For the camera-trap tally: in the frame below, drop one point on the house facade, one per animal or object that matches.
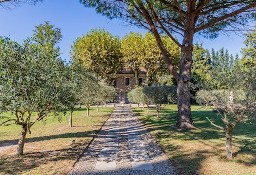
(125, 82)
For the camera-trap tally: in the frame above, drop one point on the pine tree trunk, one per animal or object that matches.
(70, 121)
(22, 138)
(184, 119)
(228, 131)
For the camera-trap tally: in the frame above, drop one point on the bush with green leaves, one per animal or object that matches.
(153, 95)
(137, 96)
(105, 94)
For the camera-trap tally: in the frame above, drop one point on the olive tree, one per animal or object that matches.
(76, 77)
(106, 94)
(30, 86)
(156, 95)
(179, 20)
(233, 106)
(159, 95)
(237, 103)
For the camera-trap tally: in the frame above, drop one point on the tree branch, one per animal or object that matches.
(213, 124)
(200, 6)
(216, 20)
(162, 26)
(3, 123)
(175, 7)
(160, 44)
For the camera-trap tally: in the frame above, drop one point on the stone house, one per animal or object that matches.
(125, 81)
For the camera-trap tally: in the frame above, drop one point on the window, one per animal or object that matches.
(127, 81)
(140, 81)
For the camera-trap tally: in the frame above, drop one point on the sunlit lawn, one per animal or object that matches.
(202, 151)
(49, 148)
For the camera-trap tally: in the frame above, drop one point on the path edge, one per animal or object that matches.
(88, 145)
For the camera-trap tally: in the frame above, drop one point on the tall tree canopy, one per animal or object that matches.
(133, 52)
(185, 18)
(100, 53)
(142, 51)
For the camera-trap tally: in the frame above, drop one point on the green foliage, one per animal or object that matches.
(32, 77)
(31, 80)
(106, 93)
(142, 51)
(77, 79)
(85, 89)
(219, 96)
(137, 96)
(132, 50)
(153, 60)
(160, 94)
(100, 52)
(156, 95)
(233, 106)
(201, 66)
(250, 42)
(171, 14)
(213, 70)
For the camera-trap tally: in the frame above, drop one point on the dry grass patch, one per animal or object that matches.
(50, 148)
(202, 151)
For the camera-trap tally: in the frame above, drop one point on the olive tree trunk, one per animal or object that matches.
(98, 107)
(22, 138)
(88, 111)
(228, 132)
(70, 120)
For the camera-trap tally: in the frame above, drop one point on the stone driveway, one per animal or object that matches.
(123, 147)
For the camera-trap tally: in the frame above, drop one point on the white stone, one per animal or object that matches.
(105, 166)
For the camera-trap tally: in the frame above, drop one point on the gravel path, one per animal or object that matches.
(123, 147)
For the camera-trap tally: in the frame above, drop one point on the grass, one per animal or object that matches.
(49, 149)
(202, 151)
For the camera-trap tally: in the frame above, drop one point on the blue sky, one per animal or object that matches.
(75, 20)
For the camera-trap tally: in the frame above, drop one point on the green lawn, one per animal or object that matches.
(202, 150)
(48, 148)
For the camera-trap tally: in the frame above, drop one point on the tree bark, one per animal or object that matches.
(22, 138)
(183, 91)
(136, 76)
(228, 131)
(88, 111)
(158, 107)
(98, 107)
(70, 121)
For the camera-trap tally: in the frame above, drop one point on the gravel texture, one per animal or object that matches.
(123, 147)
